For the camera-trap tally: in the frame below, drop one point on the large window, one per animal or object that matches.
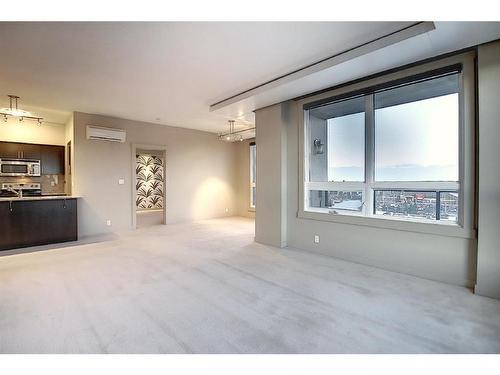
(253, 174)
(416, 132)
(391, 151)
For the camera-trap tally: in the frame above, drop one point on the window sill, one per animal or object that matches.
(407, 225)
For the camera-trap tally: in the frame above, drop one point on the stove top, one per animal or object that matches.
(9, 194)
(31, 189)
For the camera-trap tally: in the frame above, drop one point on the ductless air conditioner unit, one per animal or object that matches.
(106, 134)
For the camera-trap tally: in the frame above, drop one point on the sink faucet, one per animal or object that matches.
(18, 193)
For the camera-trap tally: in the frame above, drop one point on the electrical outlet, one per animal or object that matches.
(227, 209)
(316, 239)
(121, 181)
(108, 223)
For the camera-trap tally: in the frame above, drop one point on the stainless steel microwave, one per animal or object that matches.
(19, 168)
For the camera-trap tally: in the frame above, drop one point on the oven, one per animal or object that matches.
(19, 168)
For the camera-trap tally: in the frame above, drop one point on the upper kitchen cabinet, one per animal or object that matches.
(52, 159)
(30, 151)
(12, 150)
(9, 150)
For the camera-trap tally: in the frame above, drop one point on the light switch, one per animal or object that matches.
(121, 181)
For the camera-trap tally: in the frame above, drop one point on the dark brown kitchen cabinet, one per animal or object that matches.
(13, 150)
(9, 150)
(52, 159)
(37, 222)
(30, 151)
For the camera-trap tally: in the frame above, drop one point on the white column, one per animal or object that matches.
(270, 216)
(488, 261)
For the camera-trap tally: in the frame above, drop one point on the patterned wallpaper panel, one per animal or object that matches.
(149, 186)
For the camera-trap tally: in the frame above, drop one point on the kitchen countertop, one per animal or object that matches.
(38, 198)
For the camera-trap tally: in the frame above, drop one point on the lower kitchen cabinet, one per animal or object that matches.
(37, 222)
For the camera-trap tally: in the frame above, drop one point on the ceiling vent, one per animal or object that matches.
(106, 134)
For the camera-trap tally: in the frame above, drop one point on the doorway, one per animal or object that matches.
(149, 198)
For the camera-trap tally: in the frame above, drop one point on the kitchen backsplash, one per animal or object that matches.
(50, 183)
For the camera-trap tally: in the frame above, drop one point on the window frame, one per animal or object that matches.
(253, 178)
(465, 227)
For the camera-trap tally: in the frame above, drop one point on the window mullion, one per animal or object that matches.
(369, 153)
(438, 205)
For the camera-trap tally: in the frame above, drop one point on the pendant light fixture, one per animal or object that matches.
(236, 136)
(14, 111)
(232, 136)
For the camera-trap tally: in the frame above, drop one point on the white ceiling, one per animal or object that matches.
(372, 58)
(171, 71)
(55, 117)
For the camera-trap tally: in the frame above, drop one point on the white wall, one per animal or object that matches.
(29, 132)
(200, 174)
(488, 268)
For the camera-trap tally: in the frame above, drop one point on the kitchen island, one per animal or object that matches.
(37, 220)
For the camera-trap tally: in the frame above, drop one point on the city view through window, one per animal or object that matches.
(416, 146)
(428, 205)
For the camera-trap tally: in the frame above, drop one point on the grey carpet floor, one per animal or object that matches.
(206, 287)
